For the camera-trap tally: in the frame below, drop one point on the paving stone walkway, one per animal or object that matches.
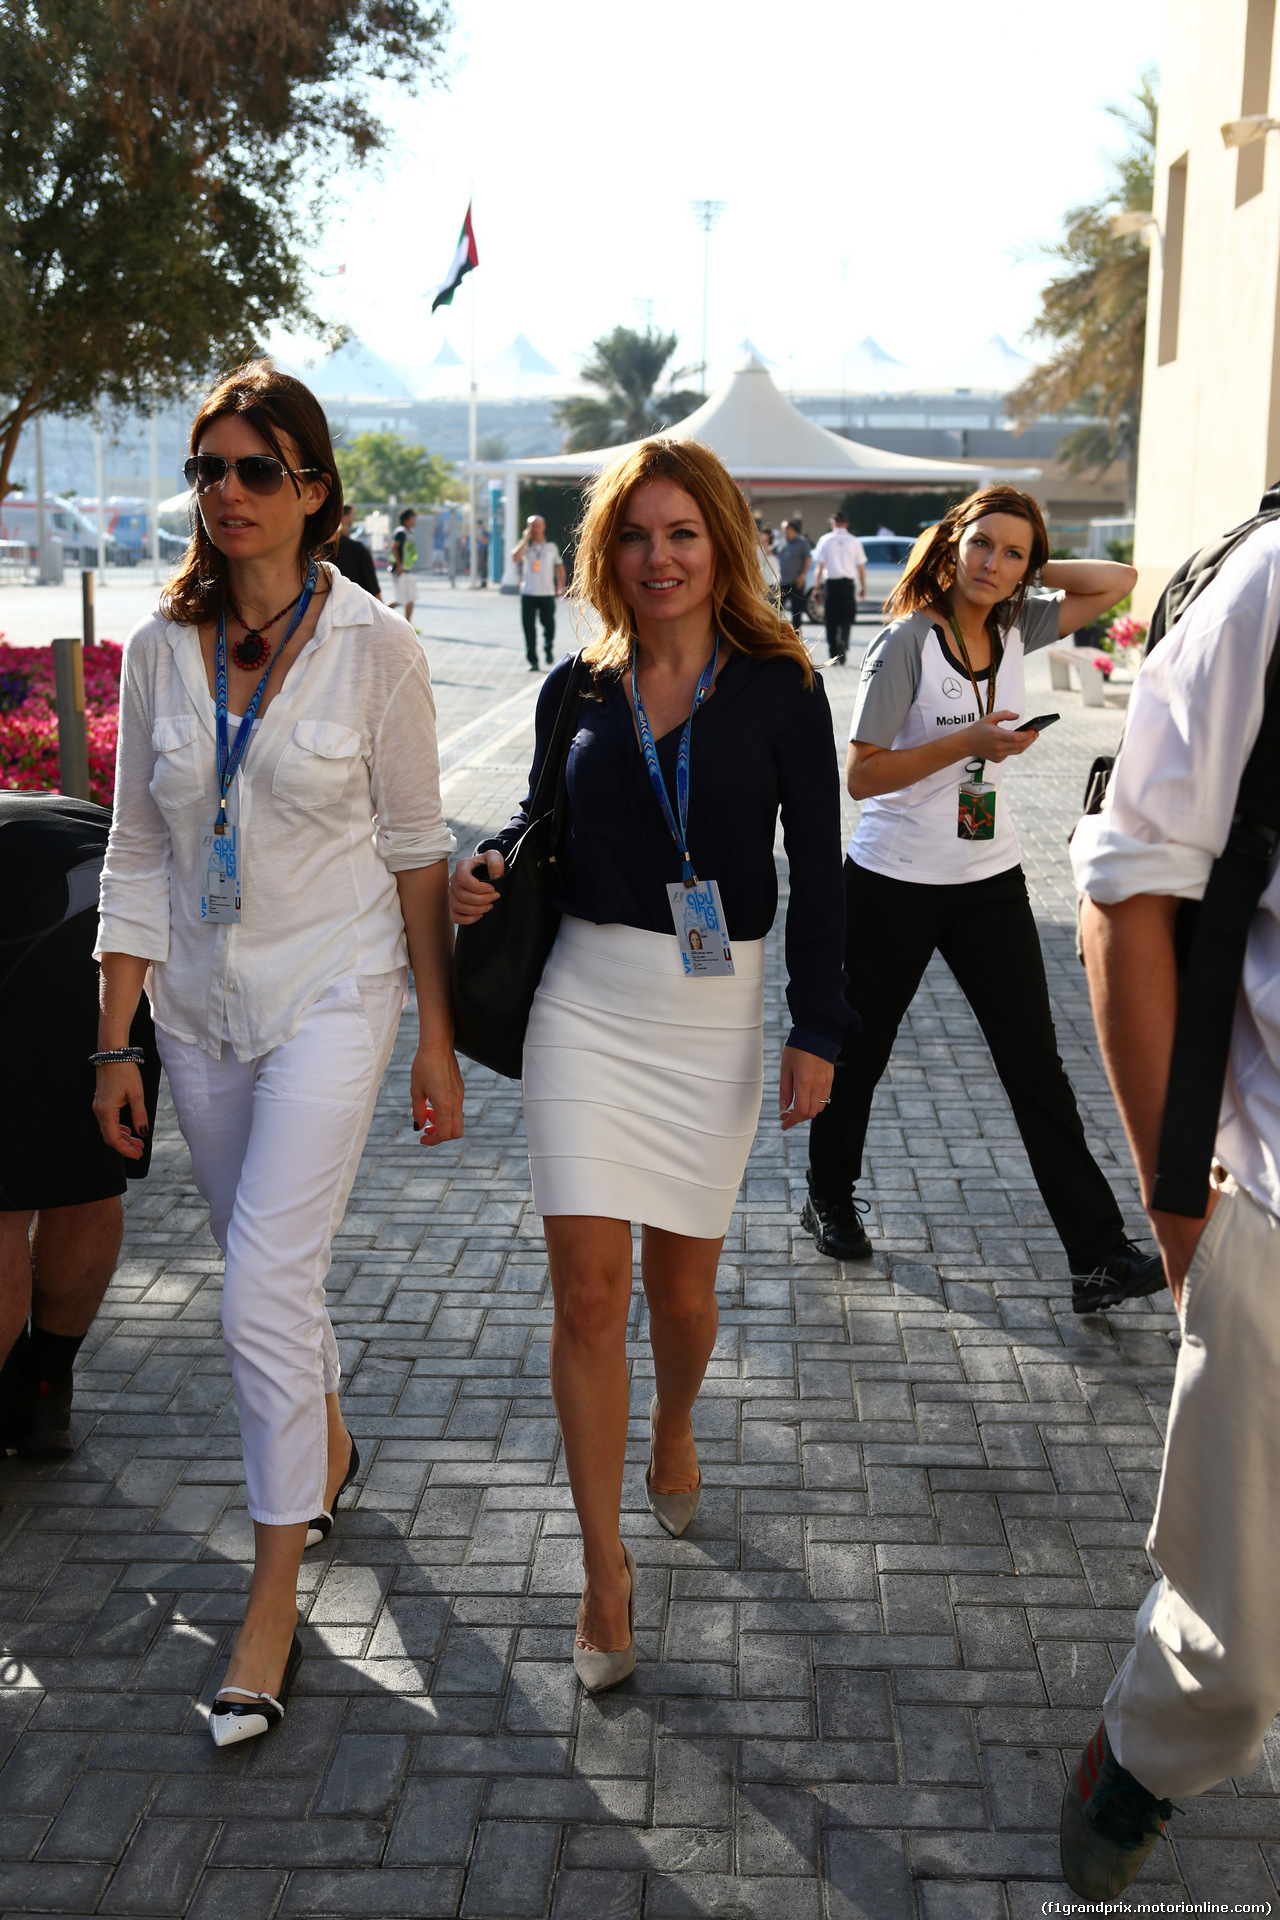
(862, 1672)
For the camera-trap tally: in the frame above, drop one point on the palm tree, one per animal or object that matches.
(626, 366)
(1095, 310)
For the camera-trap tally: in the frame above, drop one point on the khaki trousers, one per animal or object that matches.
(1196, 1694)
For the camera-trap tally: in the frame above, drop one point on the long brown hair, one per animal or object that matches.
(744, 614)
(278, 407)
(931, 566)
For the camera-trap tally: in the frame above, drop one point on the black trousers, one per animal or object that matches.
(531, 605)
(794, 600)
(986, 933)
(840, 607)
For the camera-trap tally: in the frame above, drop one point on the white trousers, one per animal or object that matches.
(275, 1143)
(1196, 1694)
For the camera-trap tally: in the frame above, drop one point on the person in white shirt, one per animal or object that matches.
(277, 852)
(403, 555)
(840, 558)
(933, 866)
(542, 579)
(769, 566)
(1199, 1688)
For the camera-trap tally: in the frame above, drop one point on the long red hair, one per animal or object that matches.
(745, 616)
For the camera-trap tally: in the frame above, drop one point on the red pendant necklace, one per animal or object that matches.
(250, 651)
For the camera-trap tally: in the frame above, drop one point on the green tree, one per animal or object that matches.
(1094, 310)
(379, 466)
(151, 228)
(626, 366)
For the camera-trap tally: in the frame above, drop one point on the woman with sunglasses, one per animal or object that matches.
(277, 853)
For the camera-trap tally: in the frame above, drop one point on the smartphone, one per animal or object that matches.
(1038, 725)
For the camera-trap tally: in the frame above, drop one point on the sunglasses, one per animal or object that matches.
(257, 472)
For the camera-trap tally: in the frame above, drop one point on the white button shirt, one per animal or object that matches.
(338, 791)
(1194, 716)
(841, 553)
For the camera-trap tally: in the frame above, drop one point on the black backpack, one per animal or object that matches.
(1211, 934)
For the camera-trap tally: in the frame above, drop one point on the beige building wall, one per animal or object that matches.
(1210, 437)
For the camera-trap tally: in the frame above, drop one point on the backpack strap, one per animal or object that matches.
(1209, 984)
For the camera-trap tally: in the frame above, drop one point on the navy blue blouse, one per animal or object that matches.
(761, 741)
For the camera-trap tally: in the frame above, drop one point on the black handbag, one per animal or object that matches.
(498, 960)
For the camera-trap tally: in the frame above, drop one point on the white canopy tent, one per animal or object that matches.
(766, 443)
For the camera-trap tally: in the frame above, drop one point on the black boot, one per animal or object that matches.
(35, 1397)
(836, 1228)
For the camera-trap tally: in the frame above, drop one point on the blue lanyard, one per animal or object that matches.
(679, 833)
(229, 760)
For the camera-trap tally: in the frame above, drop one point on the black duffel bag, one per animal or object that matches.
(498, 961)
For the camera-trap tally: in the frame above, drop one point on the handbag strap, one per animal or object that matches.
(553, 774)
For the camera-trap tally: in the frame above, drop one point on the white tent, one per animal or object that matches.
(864, 368)
(766, 443)
(354, 372)
(764, 440)
(993, 367)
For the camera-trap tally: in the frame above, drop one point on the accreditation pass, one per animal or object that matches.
(220, 900)
(700, 928)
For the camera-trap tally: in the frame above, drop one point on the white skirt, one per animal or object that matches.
(642, 1087)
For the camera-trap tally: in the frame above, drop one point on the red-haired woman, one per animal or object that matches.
(278, 851)
(933, 865)
(643, 1059)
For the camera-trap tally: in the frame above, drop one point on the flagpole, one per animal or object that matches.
(471, 488)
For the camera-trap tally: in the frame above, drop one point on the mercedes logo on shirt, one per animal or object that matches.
(952, 687)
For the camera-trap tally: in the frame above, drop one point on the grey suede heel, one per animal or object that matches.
(597, 1670)
(673, 1511)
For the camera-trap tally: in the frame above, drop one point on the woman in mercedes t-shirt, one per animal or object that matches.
(934, 866)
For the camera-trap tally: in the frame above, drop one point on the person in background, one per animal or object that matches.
(768, 565)
(793, 570)
(933, 866)
(352, 558)
(1197, 1691)
(403, 555)
(643, 1060)
(543, 578)
(278, 852)
(839, 558)
(482, 544)
(61, 1220)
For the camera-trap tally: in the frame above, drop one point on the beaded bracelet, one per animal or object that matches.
(134, 1056)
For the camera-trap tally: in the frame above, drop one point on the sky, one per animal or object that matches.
(885, 170)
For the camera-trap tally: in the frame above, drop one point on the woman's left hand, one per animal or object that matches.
(804, 1087)
(435, 1091)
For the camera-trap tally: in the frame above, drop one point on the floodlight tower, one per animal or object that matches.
(707, 214)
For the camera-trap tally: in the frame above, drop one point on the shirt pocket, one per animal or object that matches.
(178, 779)
(316, 765)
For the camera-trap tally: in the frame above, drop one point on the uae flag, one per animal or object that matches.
(464, 259)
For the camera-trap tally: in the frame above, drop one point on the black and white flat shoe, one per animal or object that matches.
(322, 1526)
(251, 1714)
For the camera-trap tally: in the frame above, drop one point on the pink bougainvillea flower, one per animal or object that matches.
(29, 718)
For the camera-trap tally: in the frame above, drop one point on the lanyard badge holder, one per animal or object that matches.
(696, 908)
(976, 819)
(222, 896)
